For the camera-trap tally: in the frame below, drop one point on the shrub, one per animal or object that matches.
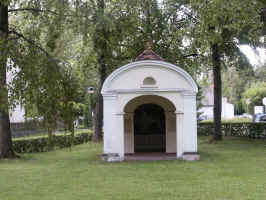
(234, 120)
(246, 129)
(41, 144)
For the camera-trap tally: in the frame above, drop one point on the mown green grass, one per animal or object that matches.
(234, 169)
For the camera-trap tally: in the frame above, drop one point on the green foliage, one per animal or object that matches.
(48, 61)
(243, 129)
(41, 144)
(222, 23)
(234, 120)
(55, 47)
(260, 73)
(87, 110)
(255, 93)
(216, 33)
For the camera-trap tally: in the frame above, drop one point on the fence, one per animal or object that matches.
(244, 129)
(241, 129)
(31, 128)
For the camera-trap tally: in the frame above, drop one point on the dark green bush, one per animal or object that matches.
(41, 144)
(245, 129)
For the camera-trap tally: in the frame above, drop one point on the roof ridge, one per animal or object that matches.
(148, 54)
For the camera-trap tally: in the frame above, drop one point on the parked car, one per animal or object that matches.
(246, 115)
(260, 118)
(202, 117)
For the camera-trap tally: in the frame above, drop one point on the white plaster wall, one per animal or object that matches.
(207, 110)
(190, 123)
(172, 83)
(114, 107)
(170, 132)
(229, 111)
(258, 109)
(113, 135)
(17, 115)
(110, 128)
(175, 98)
(120, 135)
(165, 78)
(129, 133)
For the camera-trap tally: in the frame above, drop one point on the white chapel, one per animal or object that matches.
(150, 107)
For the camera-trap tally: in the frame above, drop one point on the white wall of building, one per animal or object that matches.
(227, 110)
(17, 114)
(126, 85)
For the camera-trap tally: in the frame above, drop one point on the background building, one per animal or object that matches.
(208, 103)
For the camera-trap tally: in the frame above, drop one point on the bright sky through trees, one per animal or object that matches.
(255, 56)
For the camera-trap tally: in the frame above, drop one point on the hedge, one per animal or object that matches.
(41, 144)
(244, 129)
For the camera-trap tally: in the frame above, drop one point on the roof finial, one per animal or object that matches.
(148, 45)
(148, 54)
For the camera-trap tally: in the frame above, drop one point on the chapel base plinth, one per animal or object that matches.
(191, 156)
(112, 157)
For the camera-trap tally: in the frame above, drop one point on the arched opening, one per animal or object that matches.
(149, 128)
(149, 81)
(149, 125)
(163, 102)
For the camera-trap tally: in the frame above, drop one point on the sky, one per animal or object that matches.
(257, 57)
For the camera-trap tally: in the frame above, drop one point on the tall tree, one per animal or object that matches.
(122, 29)
(100, 43)
(218, 28)
(6, 150)
(34, 44)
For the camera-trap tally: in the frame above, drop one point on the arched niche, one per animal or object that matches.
(164, 140)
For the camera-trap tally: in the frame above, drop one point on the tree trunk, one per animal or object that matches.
(102, 45)
(216, 61)
(263, 19)
(6, 150)
(71, 127)
(98, 133)
(50, 143)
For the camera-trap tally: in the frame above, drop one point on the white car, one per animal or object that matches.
(260, 118)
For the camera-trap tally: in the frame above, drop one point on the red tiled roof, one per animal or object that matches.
(148, 54)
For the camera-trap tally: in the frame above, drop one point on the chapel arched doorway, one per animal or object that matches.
(149, 125)
(149, 128)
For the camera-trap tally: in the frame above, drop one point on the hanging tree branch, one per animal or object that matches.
(32, 42)
(193, 55)
(33, 10)
(43, 10)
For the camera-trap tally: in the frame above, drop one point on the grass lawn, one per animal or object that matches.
(234, 169)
